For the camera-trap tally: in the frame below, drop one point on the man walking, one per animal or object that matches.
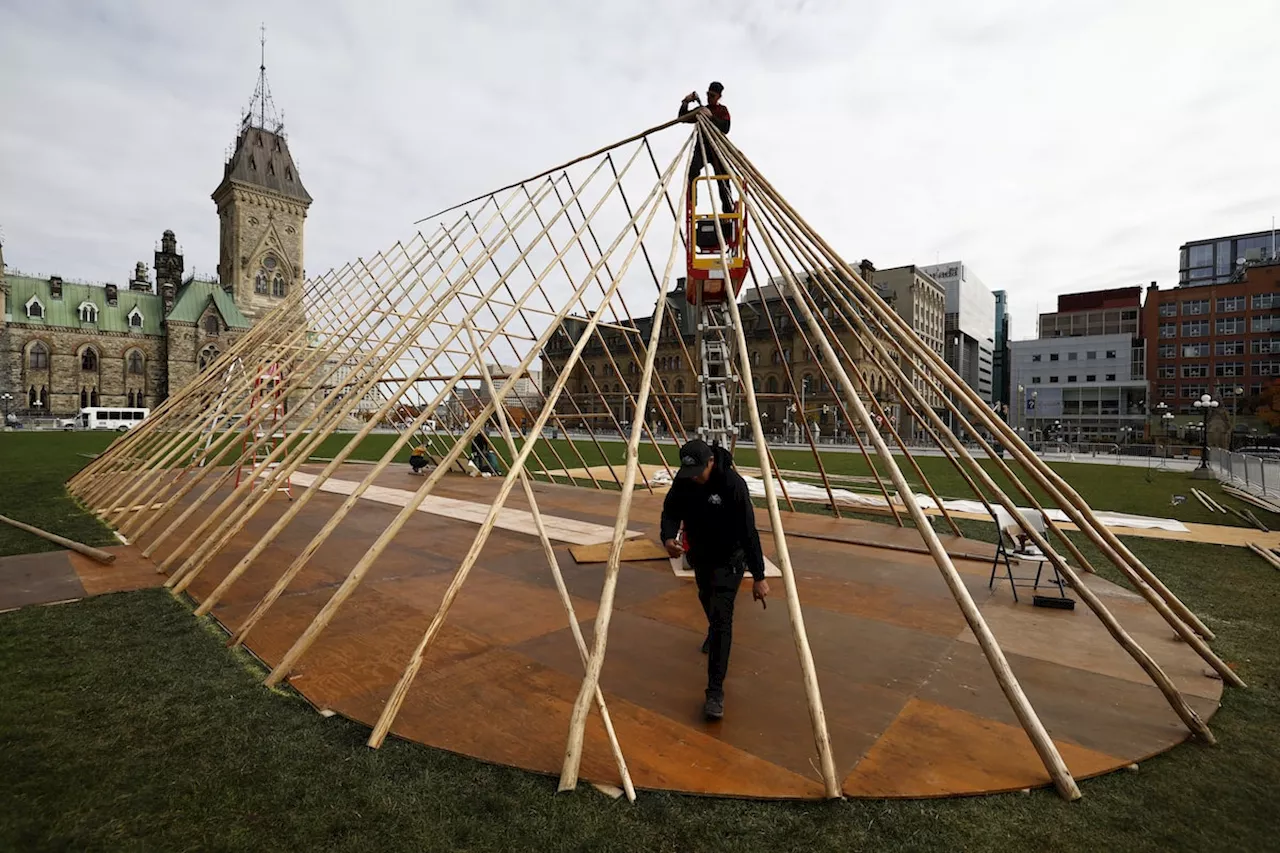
(720, 118)
(712, 501)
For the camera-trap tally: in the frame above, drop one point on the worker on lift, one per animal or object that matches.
(719, 114)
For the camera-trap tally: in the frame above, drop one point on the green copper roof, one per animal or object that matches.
(194, 296)
(65, 312)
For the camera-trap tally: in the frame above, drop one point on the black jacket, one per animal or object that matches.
(718, 518)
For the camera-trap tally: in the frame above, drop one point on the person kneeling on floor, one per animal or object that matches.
(418, 459)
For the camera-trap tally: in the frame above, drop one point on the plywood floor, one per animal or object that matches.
(912, 707)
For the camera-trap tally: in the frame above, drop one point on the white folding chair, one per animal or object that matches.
(1007, 549)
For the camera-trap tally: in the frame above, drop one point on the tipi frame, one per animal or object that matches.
(541, 268)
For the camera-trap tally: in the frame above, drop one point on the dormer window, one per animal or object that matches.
(211, 325)
(88, 312)
(35, 309)
(135, 318)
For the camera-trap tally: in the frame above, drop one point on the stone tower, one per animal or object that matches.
(261, 208)
(168, 263)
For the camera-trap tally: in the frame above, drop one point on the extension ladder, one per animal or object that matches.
(717, 378)
(267, 399)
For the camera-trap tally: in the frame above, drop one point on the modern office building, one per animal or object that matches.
(1079, 388)
(1218, 339)
(969, 325)
(1220, 260)
(1000, 365)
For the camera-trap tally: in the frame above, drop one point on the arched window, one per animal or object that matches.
(135, 363)
(93, 397)
(260, 282)
(35, 309)
(38, 356)
(89, 359)
(135, 318)
(139, 399)
(277, 286)
(679, 386)
(130, 395)
(771, 385)
(755, 358)
(32, 399)
(84, 398)
(211, 325)
(208, 356)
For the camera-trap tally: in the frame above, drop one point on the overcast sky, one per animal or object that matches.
(1052, 146)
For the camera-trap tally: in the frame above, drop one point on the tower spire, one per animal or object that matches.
(262, 111)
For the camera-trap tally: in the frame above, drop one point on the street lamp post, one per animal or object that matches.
(1205, 404)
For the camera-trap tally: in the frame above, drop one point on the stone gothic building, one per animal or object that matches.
(66, 345)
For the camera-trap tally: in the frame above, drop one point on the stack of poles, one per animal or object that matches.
(376, 336)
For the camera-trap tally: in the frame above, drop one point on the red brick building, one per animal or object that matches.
(1218, 339)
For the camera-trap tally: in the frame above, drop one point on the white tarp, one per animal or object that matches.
(852, 500)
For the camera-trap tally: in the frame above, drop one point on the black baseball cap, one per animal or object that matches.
(716, 86)
(693, 459)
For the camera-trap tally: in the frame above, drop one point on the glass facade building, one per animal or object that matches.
(1218, 261)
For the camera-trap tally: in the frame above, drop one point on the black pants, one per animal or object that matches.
(717, 590)
(695, 169)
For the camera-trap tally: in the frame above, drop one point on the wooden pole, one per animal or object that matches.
(104, 557)
(604, 612)
(1027, 716)
(549, 552)
(1068, 499)
(401, 690)
(1179, 625)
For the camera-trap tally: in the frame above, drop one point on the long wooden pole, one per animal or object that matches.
(1139, 655)
(1068, 499)
(229, 526)
(604, 611)
(282, 583)
(401, 689)
(1022, 708)
(549, 552)
(105, 557)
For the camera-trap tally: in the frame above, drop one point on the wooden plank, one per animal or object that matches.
(520, 521)
(632, 550)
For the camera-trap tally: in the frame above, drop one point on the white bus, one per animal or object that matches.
(116, 419)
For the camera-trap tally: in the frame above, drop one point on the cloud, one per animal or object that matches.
(1051, 146)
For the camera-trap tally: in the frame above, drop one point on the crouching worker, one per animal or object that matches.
(418, 459)
(711, 500)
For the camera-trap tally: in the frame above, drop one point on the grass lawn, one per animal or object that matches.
(126, 724)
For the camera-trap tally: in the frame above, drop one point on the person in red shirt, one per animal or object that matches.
(720, 118)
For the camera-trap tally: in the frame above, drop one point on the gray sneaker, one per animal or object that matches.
(713, 709)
